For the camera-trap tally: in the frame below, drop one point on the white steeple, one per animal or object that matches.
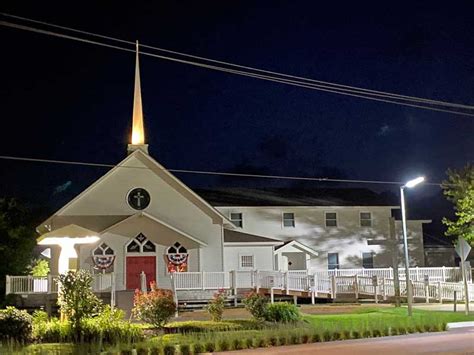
(138, 131)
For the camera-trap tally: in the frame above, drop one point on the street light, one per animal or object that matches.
(409, 184)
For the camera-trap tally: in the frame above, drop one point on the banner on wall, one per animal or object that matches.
(177, 262)
(103, 262)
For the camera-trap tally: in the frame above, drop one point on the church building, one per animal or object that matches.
(139, 217)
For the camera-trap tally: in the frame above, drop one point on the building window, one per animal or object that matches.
(141, 245)
(237, 219)
(368, 260)
(331, 219)
(246, 261)
(288, 219)
(333, 261)
(366, 219)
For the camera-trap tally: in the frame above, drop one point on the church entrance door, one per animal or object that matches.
(137, 264)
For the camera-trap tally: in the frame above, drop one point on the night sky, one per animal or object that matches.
(67, 100)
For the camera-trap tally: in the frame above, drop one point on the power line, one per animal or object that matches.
(219, 173)
(325, 88)
(335, 85)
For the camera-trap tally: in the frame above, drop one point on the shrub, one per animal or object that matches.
(315, 338)
(76, 299)
(327, 335)
(210, 346)
(222, 345)
(155, 307)
(185, 349)
(273, 340)
(198, 348)
(203, 326)
(15, 324)
(282, 340)
(282, 313)
(52, 331)
(249, 343)
(169, 349)
(216, 306)
(256, 304)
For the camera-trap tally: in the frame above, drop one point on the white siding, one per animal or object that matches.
(348, 239)
(263, 257)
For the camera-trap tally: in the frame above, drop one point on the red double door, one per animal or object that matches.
(137, 264)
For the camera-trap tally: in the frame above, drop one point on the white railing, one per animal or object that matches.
(49, 284)
(445, 274)
(201, 280)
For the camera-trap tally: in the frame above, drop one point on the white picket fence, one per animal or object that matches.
(37, 285)
(428, 283)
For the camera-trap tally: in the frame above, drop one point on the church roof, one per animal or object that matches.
(232, 236)
(296, 197)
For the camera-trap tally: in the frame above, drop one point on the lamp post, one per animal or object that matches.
(409, 184)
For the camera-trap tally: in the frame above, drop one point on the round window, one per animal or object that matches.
(138, 198)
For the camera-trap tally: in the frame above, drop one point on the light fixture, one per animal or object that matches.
(409, 184)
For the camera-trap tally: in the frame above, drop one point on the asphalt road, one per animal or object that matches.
(459, 341)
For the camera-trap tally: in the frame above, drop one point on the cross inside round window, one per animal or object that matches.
(177, 258)
(138, 198)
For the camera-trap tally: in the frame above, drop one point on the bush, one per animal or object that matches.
(256, 305)
(204, 326)
(216, 306)
(108, 327)
(198, 348)
(282, 313)
(222, 345)
(15, 324)
(155, 307)
(169, 349)
(52, 331)
(185, 349)
(76, 299)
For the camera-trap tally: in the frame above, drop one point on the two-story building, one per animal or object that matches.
(139, 217)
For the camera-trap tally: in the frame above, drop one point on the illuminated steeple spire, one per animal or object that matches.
(138, 131)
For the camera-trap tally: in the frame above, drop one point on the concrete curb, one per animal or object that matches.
(457, 325)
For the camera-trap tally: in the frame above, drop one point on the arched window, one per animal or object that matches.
(177, 258)
(141, 244)
(103, 257)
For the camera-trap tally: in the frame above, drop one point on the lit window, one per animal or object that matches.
(331, 219)
(288, 219)
(237, 219)
(333, 261)
(368, 260)
(366, 219)
(246, 261)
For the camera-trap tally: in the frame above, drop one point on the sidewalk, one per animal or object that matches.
(448, 307)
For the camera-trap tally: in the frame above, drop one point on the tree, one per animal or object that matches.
(17, 240)
(459, 189)
(76, 299)
(39, 268)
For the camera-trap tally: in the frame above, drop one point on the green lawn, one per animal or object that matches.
(241, 334)
(380, 318)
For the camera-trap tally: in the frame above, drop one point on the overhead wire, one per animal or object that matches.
(219, 173)
(325, 88)
(310, 80)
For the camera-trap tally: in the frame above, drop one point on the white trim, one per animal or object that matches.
(371, 219)
(139, 155)
(134, 254)
(241, 218)
(283, 219)
(252, 243)
(297, 245)
(325, 219)
(246, 267)
(153, 218)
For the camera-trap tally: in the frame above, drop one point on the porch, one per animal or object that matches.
(429, 284)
